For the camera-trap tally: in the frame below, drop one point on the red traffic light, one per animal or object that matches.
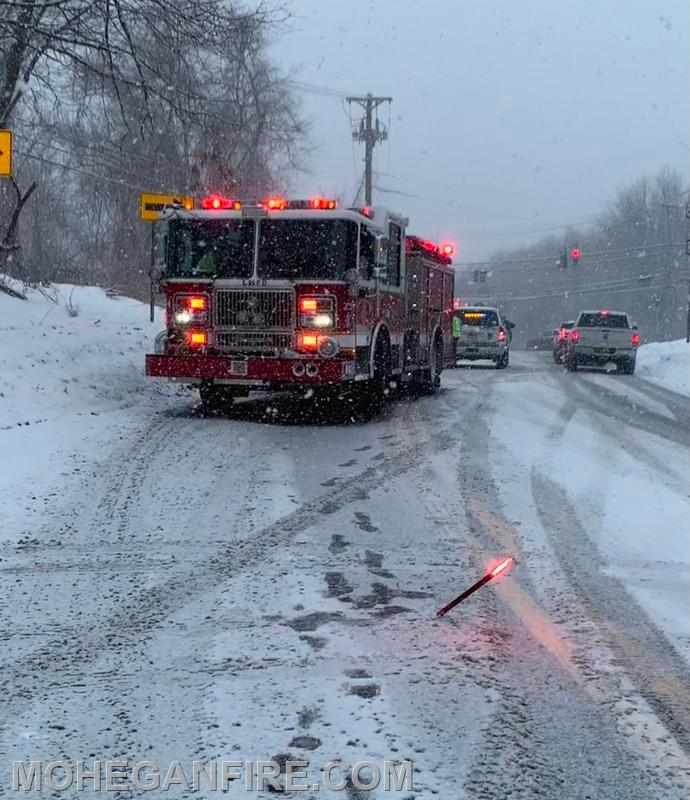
(576, 255)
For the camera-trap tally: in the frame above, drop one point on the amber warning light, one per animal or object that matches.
(490, 575)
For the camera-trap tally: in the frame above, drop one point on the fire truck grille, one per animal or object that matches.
(253, 341)
(258, 309)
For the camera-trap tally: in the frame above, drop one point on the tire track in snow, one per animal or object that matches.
(36, 674)
(659, 673)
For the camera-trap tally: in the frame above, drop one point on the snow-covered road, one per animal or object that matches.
(264, 583)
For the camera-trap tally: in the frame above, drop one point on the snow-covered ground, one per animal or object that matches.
(264, 582)
(666, 364)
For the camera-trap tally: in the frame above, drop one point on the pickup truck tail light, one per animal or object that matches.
(501, 335)
(575, 336)
(635, 339)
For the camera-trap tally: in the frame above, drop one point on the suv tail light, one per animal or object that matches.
(635, 339)
(575, 336)
(501, 335)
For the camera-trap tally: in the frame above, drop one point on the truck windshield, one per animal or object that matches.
(210, 248)
(599, 320)
(299, 248)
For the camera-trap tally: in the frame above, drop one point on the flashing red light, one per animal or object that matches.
(500, 567)
(448, 249)
(576, 253)
(635, 339)
(310, 341)
(430, 246)
(323, 203)
(276, 203)
(501, 335)
(308, 304)
(604, 313)
(197, 338)
(575, 336)
(216, 202)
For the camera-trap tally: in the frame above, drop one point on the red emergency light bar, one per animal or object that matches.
(448, 249)
(323, 203)
(415, 244)
(216, 202)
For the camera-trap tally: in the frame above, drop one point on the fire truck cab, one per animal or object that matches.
(298, 295)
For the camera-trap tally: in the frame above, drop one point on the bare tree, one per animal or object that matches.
(128, 94)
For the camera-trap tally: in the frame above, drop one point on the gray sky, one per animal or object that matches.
(510, 118)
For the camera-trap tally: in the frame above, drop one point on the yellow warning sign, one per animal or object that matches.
(150, 205)
(5, 154)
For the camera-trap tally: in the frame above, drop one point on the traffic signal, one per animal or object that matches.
(576, 255)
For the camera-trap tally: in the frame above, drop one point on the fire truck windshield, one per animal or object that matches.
(210, 248)
(307, 248)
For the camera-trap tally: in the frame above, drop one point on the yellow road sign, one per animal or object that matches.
(150, 205)
(5, 154)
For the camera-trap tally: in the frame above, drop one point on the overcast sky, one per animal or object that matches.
(510, 118)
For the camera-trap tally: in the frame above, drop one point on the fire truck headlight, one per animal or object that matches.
(328, 347)
(182, 317)
(322, 321)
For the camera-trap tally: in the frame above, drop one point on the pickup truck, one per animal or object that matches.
(599, 337)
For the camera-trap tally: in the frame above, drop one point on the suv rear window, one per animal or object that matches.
(599, 320)
(481, 318)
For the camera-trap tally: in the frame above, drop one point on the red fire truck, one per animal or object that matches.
(299, 295)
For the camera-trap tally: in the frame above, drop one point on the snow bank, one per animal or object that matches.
(666, 364)
(70, 349)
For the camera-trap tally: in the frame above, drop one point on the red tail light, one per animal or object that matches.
(501, 335)
(635, 339)
(563, 333)
(575, 336)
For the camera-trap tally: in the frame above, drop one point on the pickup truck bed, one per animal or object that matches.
(599, 337)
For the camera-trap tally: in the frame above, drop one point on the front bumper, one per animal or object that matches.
(251, 371)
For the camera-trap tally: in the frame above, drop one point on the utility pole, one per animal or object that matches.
(371, 134)
(687, 253)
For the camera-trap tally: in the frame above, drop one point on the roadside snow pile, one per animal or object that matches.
(666, 364)
(70, 349)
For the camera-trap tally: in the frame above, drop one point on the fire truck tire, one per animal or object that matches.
(374, 393)
(216, 398)
(431, 378)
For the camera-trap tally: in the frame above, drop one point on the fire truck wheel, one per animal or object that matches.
(375, 392)
(216, 398)
(431, 378)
